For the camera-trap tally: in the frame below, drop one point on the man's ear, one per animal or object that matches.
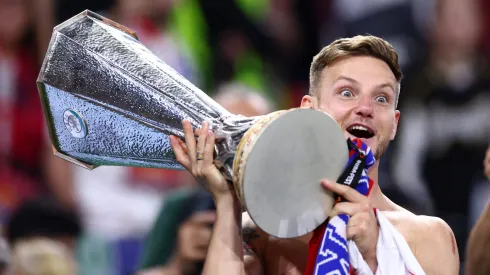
(309, 101)
(395, 126)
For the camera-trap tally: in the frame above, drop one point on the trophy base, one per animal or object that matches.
(278, 168)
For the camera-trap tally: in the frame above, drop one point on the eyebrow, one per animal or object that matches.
(346, 78)
(380, 86)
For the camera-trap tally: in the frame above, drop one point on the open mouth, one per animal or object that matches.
(360, 131)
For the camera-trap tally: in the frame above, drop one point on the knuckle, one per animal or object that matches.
(207, 170)
(342, 191)
(363, 226)
(362, 217)
(195, 172)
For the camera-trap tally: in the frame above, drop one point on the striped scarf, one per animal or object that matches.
(327, 251)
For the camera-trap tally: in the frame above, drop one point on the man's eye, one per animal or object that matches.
(346, 93)
(381, 99)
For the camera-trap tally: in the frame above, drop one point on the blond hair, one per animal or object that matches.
(361, 45)
(40, 256)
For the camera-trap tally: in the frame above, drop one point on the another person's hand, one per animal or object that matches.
(362, 227)
(198, 158)
(486, 164)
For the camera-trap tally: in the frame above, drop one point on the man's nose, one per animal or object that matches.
(365, 107)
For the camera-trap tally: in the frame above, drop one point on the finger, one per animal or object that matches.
(361, 219)
(203, 133)
(345, 191)
(183, 145)
(180, 154)
(348, 208)
(204, 218)
(209, 150)
(201, 142)
(353, 231)
(190, 141)
(360, 223)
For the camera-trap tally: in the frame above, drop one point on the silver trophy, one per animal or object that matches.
(108, 100)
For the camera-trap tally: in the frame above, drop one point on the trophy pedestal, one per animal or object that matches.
(278, 168)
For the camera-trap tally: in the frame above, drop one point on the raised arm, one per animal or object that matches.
(226, 249)
(234, 249)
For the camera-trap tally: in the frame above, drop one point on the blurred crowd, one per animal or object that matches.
(253, 57)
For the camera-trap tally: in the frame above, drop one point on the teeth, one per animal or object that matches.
(359, 128)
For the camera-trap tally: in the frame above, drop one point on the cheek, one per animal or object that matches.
(339, 112)
(386, 127)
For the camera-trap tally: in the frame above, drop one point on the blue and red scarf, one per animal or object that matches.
(327, 251)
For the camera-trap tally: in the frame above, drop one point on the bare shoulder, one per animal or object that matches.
(430, 239)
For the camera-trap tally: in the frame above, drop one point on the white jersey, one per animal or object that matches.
(393, 253)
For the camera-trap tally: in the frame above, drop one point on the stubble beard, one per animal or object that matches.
(381, 148)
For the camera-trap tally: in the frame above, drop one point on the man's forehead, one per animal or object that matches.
(359, 70)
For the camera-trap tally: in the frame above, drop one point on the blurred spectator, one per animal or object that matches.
(40, 256)
(445, 119)
(485, 45)
(237, 45)
(403, 23)
(180, 236)
(266, 45)
(43, 234)
(152, 21)
(27, 165)
(43, 218)
(64, 10)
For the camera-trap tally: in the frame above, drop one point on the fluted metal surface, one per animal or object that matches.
(109, 101)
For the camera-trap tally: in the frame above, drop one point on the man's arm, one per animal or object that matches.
(478, 258)
(225, 252)
(435, 246)
(231, 252)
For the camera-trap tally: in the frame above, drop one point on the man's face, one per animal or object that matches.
(360, 94)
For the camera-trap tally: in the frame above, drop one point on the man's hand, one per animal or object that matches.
(363, 225)
(197, 158)
(486, 164)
